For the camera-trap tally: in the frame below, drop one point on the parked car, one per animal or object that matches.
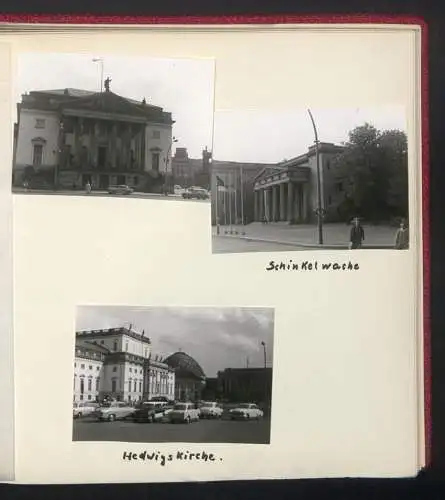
(196, 193)
(184, 412)
(178, 190)
(121, 189)
(84, 408)
(115, 410)
(210, 409)
(246, 411)
(151, 412)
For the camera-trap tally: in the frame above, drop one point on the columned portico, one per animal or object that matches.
(283, 194)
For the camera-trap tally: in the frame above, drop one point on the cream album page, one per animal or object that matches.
(217, 252)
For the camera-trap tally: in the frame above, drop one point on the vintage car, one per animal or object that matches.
(151, 411)
(116, 410)
(121, 189)
(246, 411)
(210, 409)
(84, 408)
(196, 193)
(184, 412)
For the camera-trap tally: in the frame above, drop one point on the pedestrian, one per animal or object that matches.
(88, 187)
(357, 235)
(402, 237)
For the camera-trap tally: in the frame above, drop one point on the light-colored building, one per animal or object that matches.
(65, 138)
(160, 380)
(117, 363)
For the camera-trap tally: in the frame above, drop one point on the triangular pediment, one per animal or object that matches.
(104, 102)
(268, 171)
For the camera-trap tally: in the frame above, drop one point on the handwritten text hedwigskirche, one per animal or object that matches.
(162, 459)
(311, 265)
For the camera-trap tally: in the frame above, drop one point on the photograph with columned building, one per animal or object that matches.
(350, 191)
(135, 356)
(109, 140)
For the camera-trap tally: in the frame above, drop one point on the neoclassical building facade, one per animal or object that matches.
(117, 363)
(65, 138)
(283, 192)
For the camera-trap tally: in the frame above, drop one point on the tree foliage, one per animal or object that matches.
(374, 170)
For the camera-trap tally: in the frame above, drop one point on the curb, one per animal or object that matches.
(304, 245)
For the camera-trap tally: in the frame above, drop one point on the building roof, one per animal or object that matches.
(185, 365)
(91, 345)
(111, 332)
(69, 98)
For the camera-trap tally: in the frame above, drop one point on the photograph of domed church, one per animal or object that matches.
(210, 367)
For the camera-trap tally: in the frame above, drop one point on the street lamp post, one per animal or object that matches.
(264, 351)
(101, 62)
(319, 204)
(167, 159)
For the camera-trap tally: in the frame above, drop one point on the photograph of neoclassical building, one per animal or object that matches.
(190, 377)
(108, 126)
(65, 138)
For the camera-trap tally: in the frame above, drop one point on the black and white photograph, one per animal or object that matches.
(310, 179)
(96, 125)
(173, 374)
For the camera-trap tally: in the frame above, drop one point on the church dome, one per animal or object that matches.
(185, 365)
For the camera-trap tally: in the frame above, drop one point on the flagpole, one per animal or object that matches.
(236, 204)
(216, 207)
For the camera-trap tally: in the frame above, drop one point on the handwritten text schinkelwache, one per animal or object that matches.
(311, 265)
(161, 459)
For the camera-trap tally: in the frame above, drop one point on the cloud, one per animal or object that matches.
(217, 338)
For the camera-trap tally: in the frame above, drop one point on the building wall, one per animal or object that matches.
(163, 142)
(87, 370)
(159, 381)
(123, 343)
(27, 131)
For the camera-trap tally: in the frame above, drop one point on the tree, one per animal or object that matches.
(374, 171)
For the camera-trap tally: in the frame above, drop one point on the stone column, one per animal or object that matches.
(275, 215)
(256, 199)
(290, 202)
(261, 204)
(282, 202)
(304, 193)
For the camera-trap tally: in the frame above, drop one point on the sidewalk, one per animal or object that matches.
(335, 236)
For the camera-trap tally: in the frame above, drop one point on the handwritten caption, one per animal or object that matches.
(311, 265)
(161, 459)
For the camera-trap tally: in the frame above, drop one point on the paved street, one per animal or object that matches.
(204, 431)
(151, 196)
(257, 237)
(223, 244)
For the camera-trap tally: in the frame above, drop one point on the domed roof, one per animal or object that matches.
(185, 365)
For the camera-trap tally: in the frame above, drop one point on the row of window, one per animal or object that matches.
(89, 384)
(82, 366)
(41, 123)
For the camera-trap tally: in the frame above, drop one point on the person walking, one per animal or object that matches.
(88, 187)
(357, 235)
(402, 237)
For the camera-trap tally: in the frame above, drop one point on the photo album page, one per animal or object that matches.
(217, 253)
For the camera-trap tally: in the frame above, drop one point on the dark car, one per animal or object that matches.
(151, 412)
(196, 193)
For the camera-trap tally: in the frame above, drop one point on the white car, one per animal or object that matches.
(84, 408)
(115, 410)
(246, 411)
(178, 190)
(210, 409)
(121, 189)
(184, 412)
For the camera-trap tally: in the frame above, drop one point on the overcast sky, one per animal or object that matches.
(270, 137)
(216, 338)
(184, 87)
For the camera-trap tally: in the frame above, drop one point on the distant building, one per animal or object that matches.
(187, 172)
(189, 376)
(117, 363)
(234, 199)
(68, 137)
(246, 385)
